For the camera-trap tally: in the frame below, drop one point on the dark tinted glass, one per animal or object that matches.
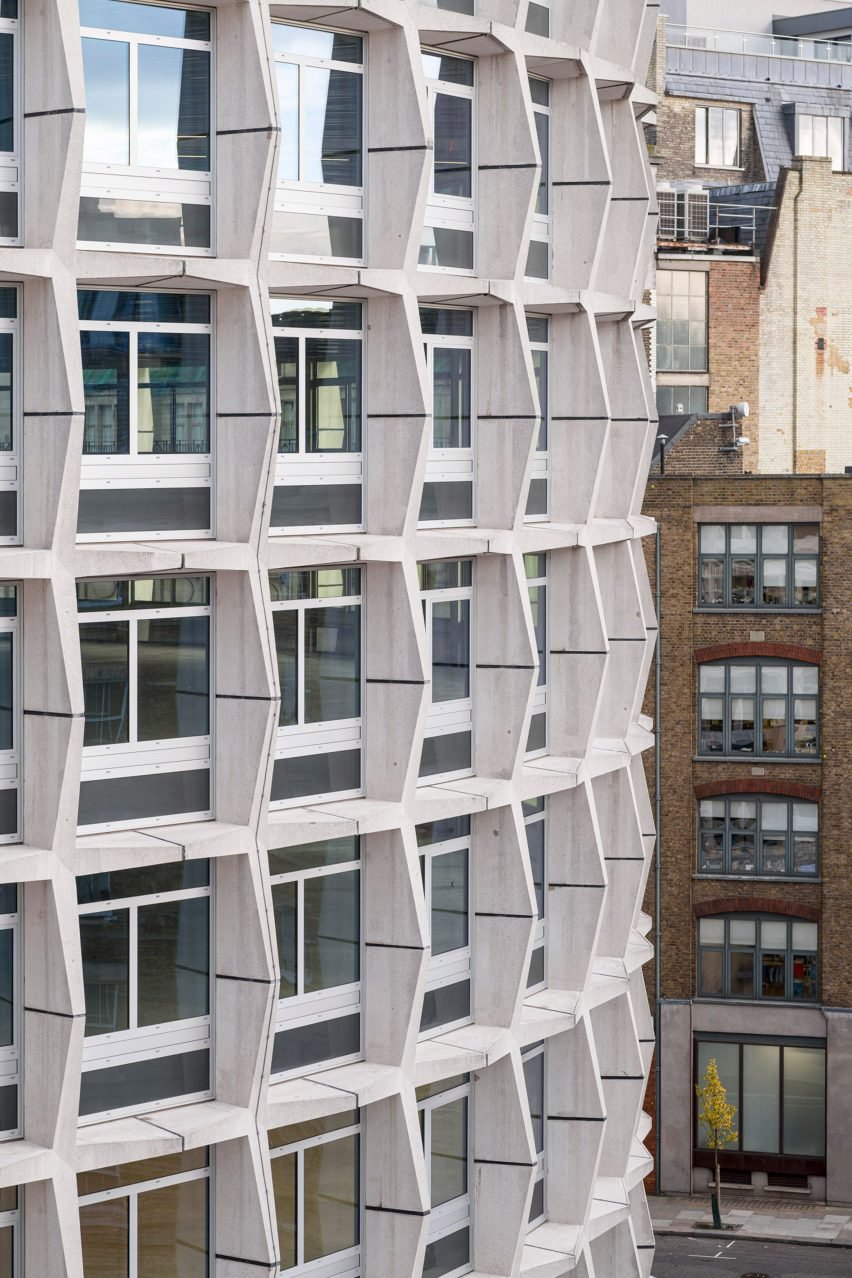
(8, 1112)
(333, 395)
(8, 514)
(332, 681)
(174, 678)
(141, 1081)
(307, 583)
(444, 574)
(447, 1254)
(7, 92)
(9, 215)
(445, 1005)
(9, 898)
(112, 510)
(7, 987)
(445, 246)
(442, 831)
(332, 931)
(111, 221)
(443, 322)
(311, 856)
(453, 145)
(173, 393)
(538, 260)
(145, 19)
(537, 736)
(8, 813)
(537, 1201)
(106, 386)
(104, 647)
(535, 971)
(325, 1041)
(451, 390)
(535, 831)
(447, 753)
(316, 774)
(133, 798)
(537, 499)
(174, 961)
(446, 501)
(7, 729)
(105, 1234)
(105, 943)
(146, 880)
(285, 912)
(451, 70)
(315, 505)
(299, 313)
(143, 308)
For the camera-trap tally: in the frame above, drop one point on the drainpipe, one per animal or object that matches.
(794, 441)
(657, 804)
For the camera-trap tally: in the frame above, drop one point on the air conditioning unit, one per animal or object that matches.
(684, 212)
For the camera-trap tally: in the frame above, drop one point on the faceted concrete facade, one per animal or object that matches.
(593, 1012)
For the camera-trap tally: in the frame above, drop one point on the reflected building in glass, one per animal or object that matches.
(323, 626)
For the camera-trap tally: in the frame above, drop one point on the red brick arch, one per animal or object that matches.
(756, 905)
(757, 785)
(787, 651)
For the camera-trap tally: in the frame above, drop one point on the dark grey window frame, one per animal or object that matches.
(727, 948)
(728, 557)
(729, 831)
(757, 751)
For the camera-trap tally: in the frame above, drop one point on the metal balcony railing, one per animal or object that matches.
(752, 42)
(687, 216)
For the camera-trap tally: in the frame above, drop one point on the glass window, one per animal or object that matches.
(10, 408)
(145, 939)
(145, 648)
(316, 1182)
(147, 76)
(821, 135)
(10, 125)
(320, 84)
(681, 321)
(447, 596)
(316, 901)
(778, 1091)
(758, 565)
(681, 401)
(148, 1219)
(777, 837)
(316, 615)
(538, 258)
(10, 715)
(533, 1059)
(445, 1117)
(319, 470)
(445, 868)
(770, 958)
(447, 241)
(535, 568)
(717, 137)
(10, 1017)
(754, 710)
(11, 1240)
(538, 17)
(136, 438)
(448, 489)
(538, 332)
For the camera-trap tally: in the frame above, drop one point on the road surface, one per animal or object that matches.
(709, 1258)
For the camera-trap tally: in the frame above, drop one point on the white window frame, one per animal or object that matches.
(10, 1057)
(341, 1264)
(824, 120)
(540, 928)
(102, 471)
(301, 739)
(543, 4)
(302, 1009)
(541, 222)
(452, 212)
(447, 717)
(11, 760)
(150, 1042)
(324, 198)
(303, 467)
(154, 185)
(11, 161)
(457, 1214)
(451, 465)
(540, 696)
(541, 457)
(703, 158)
(135, 1191)
(529, 1053)
(144, 758)
(456, 965)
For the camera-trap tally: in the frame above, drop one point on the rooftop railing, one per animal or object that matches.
(765, 45)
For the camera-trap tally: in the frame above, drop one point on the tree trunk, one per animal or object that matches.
(716, 1196)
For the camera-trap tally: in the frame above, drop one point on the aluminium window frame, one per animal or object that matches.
(11, 162)
(10, 462)
(702, 137)
(329, 1004)
(728, 947)
(333, 735)
(135, 470)
(541, 456)
(339, 1264)
(143, 183)
(457, 1214)
(758, 798)
(446, 718)
(303, 467)
(540, 694)
(146, 758)
(451, 465)
(528, 1054)
(452, 212)
(542, 223)
(11, 761)
(134, 1191)
(11, 1057)
(666, 276)
(454, 966)
(539, 941)
(758, 557)
(790, 696)
(323, 198)
(826, 154)
(167, 1038)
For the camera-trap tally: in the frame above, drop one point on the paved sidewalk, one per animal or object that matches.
(767, 1219)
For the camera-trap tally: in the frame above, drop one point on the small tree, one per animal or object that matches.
(716, 1117)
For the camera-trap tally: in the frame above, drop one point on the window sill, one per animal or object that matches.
(749, 610)
(757, 760)
(720, 168)
(756, 1002)
(756, 878)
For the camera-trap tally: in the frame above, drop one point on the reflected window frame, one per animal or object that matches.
(727, 948)
(323, 198)
(11, 761)
(454, 966)
(450, 212)
(542, 220)
(541, 456)
(302, 1009)
(342, 1264)
(10, 1056)
(537, 580)
(139, 470)
(305, 467)
(706, 826)
(450, 717)
(301, 739)
(166, 1038)
(536, 1052)
(758, 697)
(144, 758)
(11, 162)
(455, 1215)
(724, 560)
(154, 185)
(534, 813)
(689, 355)
(451, 465)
